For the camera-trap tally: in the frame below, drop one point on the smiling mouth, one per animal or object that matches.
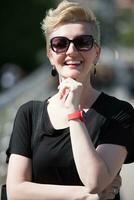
(73, 63)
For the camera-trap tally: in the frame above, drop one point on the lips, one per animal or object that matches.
(73, 62)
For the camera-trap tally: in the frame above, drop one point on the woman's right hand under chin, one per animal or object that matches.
(70, 93)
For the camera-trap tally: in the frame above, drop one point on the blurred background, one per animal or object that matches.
(25, 70)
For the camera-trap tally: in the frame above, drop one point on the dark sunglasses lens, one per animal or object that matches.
(84, 43)
(59, 44)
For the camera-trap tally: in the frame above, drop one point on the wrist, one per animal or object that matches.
(75, 115)
(73, 109)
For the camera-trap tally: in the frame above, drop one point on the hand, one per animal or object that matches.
(93, 197)
(70, 93)
(112, 189)
(82, 193)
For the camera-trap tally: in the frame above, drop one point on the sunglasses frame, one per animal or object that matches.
(74, 41)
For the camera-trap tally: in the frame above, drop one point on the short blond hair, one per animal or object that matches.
(68, 12)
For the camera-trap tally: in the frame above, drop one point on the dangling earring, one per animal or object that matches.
(53, 71)
(95, 71)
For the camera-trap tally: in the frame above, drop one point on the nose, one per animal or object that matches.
(71, 49)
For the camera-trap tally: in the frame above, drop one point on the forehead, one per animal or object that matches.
(72, 30)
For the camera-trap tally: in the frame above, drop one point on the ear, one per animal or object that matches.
(50, 56)
(98, 52)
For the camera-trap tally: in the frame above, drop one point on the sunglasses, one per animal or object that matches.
(61, 44)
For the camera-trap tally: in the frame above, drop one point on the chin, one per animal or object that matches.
(75, 76)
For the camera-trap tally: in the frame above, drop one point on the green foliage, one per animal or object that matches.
(126, 28)
(127, 38)
(21, 38)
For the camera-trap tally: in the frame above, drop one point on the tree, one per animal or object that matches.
(21, 38)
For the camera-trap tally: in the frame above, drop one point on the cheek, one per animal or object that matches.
(55, 59)
(59, 60)
(90, 57)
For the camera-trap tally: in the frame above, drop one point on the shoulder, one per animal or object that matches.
(112, 108)
(118, 124)
(26, 109)
(28, 106)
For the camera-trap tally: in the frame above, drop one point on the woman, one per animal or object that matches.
(85, 134)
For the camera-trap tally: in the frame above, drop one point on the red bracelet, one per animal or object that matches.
(76, 115)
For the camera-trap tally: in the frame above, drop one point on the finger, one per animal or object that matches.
(109, 190)
(118, 178)
(115, 190)
(65, 95)
(111, 196)
(108, 196)
(63, 89)
(63, 92)
(69, 83)
(93, 197)
(116, 183)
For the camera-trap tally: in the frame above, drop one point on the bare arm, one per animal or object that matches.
(96, 167)
(20, 187)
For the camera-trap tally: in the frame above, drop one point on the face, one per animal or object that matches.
(73, 61)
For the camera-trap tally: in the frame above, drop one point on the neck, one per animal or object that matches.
(88, 96)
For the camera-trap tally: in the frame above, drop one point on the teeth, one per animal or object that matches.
(73, 62)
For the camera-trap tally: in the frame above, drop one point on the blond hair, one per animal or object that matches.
(68, 12)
